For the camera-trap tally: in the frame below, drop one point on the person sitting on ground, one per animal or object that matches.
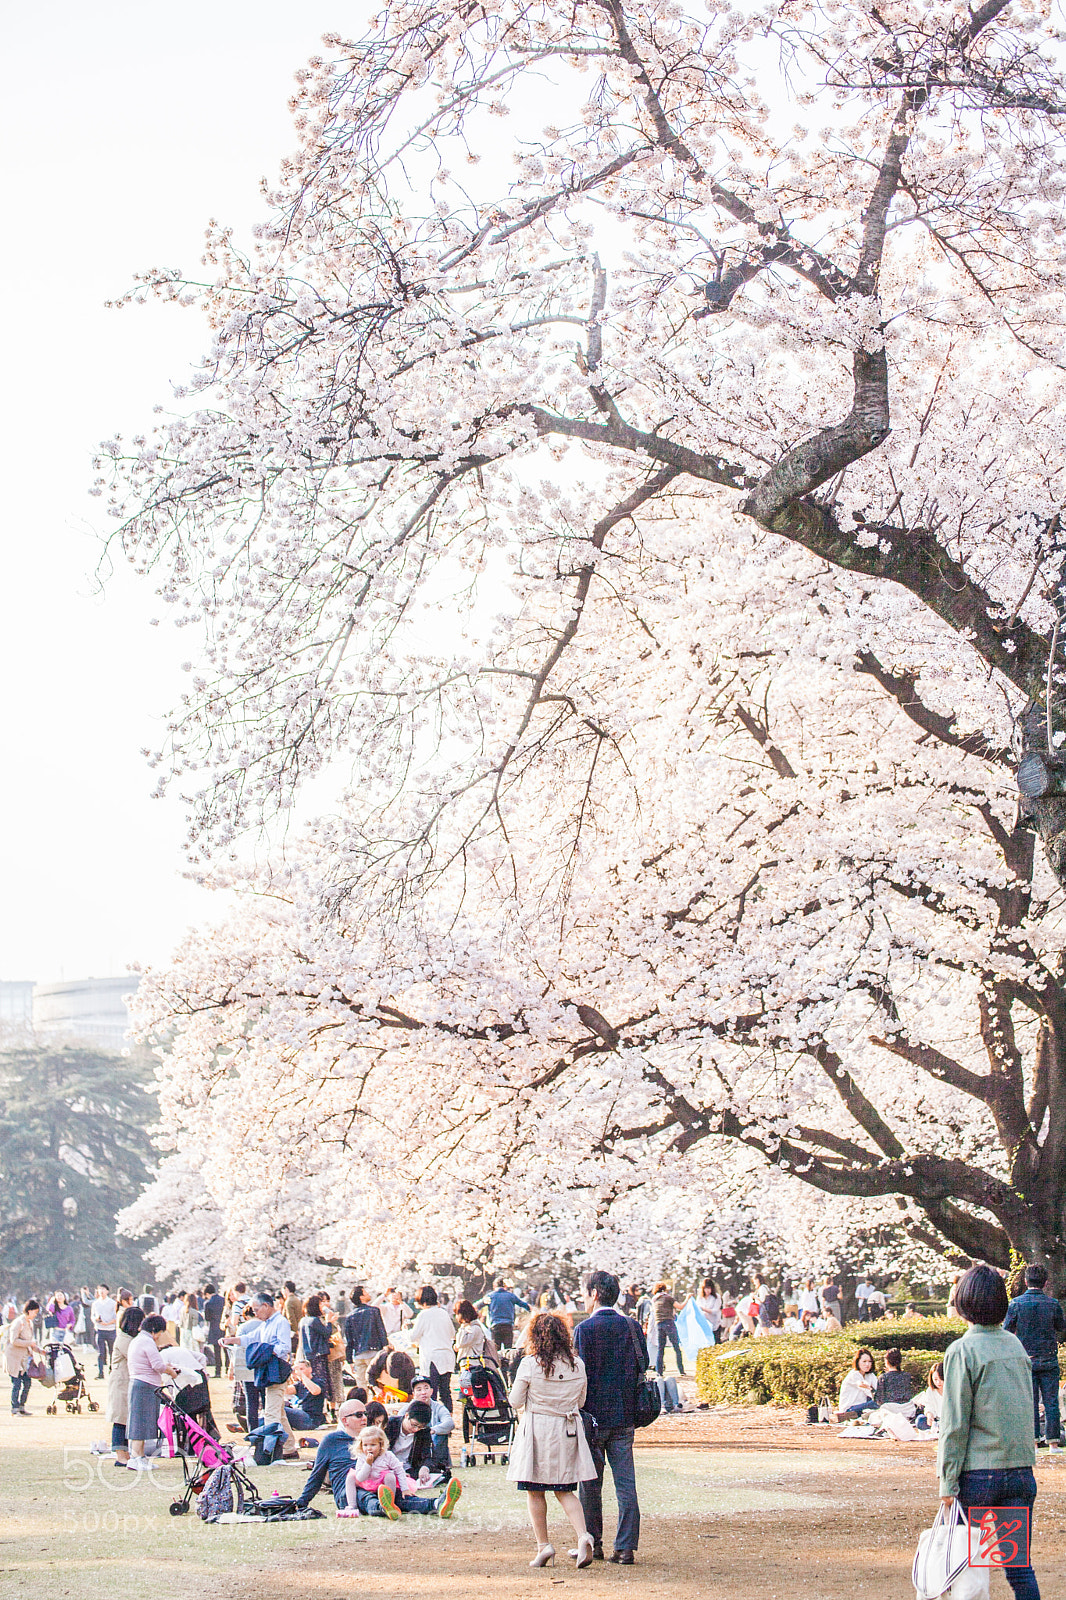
(931, 1398)
(377, 1415)
(894, 1386)
(392, 1374)
(441, 1423)
(333, 1458)
(304, 1400)
(858, 1388)
(378, 1485)
(411, 1441)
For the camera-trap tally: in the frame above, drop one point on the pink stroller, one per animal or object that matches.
(200, 1454)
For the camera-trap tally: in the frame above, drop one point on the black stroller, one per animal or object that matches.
(71, 1387)
(488, 1419)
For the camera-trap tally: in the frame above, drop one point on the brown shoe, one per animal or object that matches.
(621, 1558)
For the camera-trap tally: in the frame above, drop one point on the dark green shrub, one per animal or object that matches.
(907, 1333)
(791, 1370)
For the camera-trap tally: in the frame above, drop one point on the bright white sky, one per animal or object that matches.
(125, 126)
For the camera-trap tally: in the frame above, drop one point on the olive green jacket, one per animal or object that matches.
(986, 1419)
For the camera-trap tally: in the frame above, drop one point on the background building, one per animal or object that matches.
(92, 1010)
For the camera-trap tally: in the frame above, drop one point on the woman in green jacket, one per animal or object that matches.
(987, 1451)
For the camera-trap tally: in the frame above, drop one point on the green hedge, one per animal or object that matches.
(906, 1333)
(800, 1369)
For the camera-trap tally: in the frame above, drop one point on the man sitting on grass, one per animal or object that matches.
(333, 1459)
(441, 1423)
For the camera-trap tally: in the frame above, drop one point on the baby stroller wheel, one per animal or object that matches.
(50, 1411)
(93, 1406)
(504, 1460)
(178, 1508)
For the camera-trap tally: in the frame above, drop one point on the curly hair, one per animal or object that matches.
(548, 1340)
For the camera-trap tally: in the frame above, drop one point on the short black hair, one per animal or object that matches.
(419, 1411)
(132, 1320)
(32, 1305)
(605, 1286)
(290, 1285)
(376, 1414)
(427, 1296)
(894, 1359)
(209, 1288)
(1036, 1275)
(154, 1325)
(981, 1297)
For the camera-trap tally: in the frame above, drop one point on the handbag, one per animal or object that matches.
(336, 1347)
(943, 1553)
(41, 1373)
(647, 1401)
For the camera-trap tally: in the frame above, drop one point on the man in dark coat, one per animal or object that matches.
(1037, 1319)
(616, 1357)
(364, 1334)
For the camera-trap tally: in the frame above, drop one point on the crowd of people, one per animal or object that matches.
(376, 1370)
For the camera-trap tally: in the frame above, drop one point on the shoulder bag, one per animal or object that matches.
(647, 1401)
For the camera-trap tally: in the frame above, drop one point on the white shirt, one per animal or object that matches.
(103, 1314)
(711, 1307)
(275, 1330)
(391, 1316)
(808, 1300)
(433, 1331)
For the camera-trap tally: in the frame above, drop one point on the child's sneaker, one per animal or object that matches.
(387, 1502)
(451, 1495)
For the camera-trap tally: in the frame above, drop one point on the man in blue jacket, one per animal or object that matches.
(1037, 1319)
(616, 1357)
(364, 1334)
(502, 1304)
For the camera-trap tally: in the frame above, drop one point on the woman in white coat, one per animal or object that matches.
(550, 1450)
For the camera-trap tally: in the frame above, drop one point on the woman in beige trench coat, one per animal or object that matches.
(550, 1450)
(118, 1383)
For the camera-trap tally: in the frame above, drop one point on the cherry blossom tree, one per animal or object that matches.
(554, 312)
(791, 918)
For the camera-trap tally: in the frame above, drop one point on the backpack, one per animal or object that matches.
(220, 1494)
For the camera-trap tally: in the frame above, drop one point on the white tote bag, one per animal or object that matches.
(942, 1554)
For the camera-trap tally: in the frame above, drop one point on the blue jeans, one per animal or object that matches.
(20, 1388)
(1046, 1383)
(615, 1446)
(857, 1411)
(1005, 1486)
(663, 1333)
(105, 1343)
(668, 1394)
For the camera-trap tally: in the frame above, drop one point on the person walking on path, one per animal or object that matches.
(502, 1304)
(1037, 1319)
(615, 1356)
(550, 1451)
(986, 1451)
(662, 1329)
(21, 1345)
(103, 1314)
(293, 1307)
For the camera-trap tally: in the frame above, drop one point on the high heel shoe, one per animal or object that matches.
(544, 1557)
(585, 1547)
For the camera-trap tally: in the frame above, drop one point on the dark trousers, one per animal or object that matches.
(664, 1333)
(502, 1336)
(105, 1343)
(441, 1384)
(1005, 1486)
(440, 1456)
(614, 1448)
(20, 1388)
(213, 1342)
(251, 1400)
(1046, 1383)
